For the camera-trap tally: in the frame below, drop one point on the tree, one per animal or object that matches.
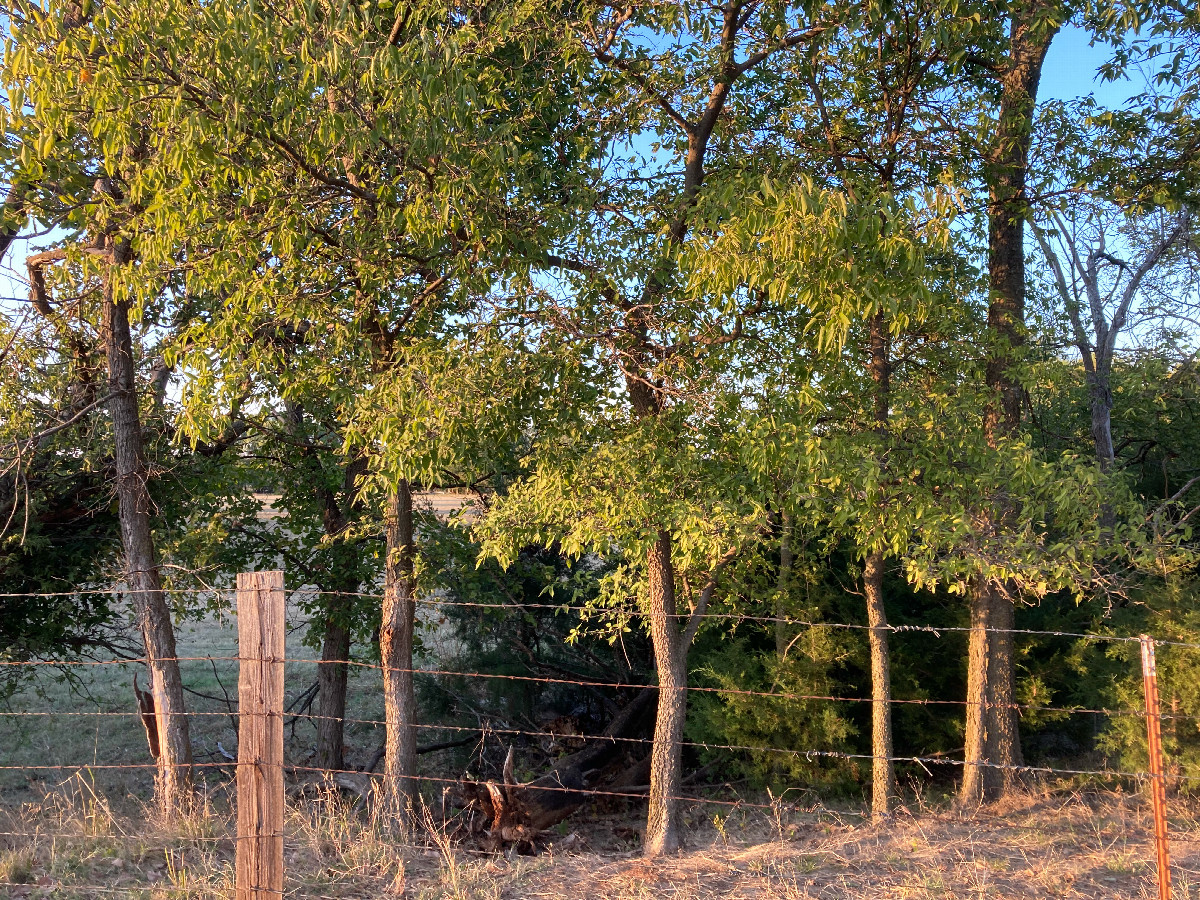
(678, 97)
(992, 739)
(1098, 289)
(83, 182)
(279, 134)
(866, 114)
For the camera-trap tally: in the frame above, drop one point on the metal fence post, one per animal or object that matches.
(260, 803)
(1158, 785)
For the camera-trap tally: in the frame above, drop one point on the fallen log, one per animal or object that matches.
(517, 813)
(585, 769)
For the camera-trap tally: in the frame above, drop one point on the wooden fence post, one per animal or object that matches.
(1158, 785)
(260, 805)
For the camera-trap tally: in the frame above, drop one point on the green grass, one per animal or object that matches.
(86, 715)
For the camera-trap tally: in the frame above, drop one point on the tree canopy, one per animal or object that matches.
(707, 308)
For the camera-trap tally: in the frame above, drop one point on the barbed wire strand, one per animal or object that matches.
(936, 630)
(542, 679)
(225, 714)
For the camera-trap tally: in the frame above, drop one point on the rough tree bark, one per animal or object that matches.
(396, 652)
(331, 681)
(882, 770)
(786, 565)
(990, 676)
(1004, 739)
(141, 565)
(973, 788)
(662, 827)
(883, 778)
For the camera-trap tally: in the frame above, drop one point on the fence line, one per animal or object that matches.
(1027, 707)
(273, 712)
(812, 754)
(935, 630)
(540, 679)
(486, 729)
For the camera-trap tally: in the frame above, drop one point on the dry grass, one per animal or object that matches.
(87, 835)
(1074, 846)
(1060, 845)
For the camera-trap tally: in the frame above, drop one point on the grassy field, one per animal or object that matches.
(86, 715)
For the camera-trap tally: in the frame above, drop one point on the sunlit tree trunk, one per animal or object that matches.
(396, 651)
(974, 783)
(141, 564)
(882, 770)
(662, 826)
(883, 780)
(990, 675)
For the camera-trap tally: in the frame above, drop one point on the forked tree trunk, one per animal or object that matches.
(883, 778)
(662, 826)
(396, 651)
(331, 679)
(1032, 27)
(141, 565)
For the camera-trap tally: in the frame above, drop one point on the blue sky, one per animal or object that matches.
(1070, 71)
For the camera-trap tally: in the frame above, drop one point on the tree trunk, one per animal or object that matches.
(992, 737)
(1100, 395)
(396, 652)
(662, 827)
(975, 785)
(883, 778)
(1004, 720)
(1032, 27)
(882, 770)
(786, 564)
(331, 679)
(141, 565)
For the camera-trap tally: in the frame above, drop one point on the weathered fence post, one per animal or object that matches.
(261, 628)
(1158, 785)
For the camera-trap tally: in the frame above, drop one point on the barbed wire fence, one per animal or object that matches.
(1154, 777)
